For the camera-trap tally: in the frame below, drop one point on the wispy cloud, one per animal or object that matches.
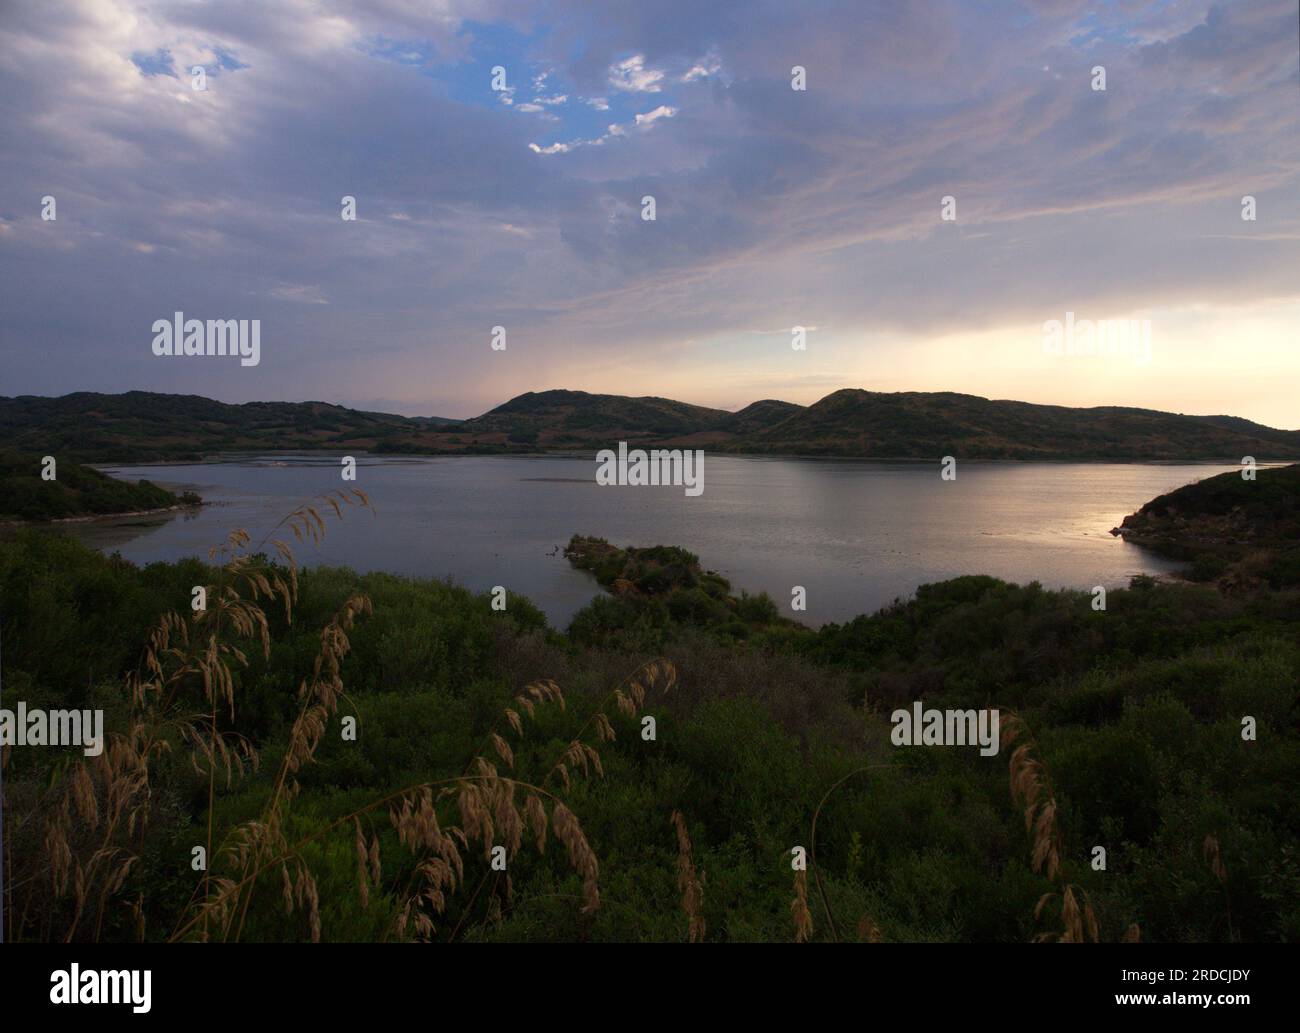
(650, 117)
(305, 294)
(632, 75)
(612, 131)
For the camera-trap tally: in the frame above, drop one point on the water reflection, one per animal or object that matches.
(855, 534)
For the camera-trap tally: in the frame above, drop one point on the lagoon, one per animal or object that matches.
(855, 534)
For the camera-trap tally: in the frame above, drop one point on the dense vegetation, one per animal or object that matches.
(919, 425)
(1235, 531)
(656, 591)
(141, 426)
(1131, 728)
(75, 491)
(145, 426)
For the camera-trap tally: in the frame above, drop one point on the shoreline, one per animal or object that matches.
(216, 458)
(89, 517)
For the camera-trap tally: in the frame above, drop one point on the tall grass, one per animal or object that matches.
(184, 700)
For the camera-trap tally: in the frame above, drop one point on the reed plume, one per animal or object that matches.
(691, 886)
(803, 923)
(1031, 788)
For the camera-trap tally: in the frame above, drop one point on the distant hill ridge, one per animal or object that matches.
(141, 426)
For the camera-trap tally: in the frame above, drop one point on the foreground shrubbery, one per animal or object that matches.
(1132, 722)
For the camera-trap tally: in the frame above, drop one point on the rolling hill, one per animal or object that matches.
(925, 425)
(575, 419)
(145, 427)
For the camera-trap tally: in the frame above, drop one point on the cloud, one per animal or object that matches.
(774, 207)
(650, 117)
(703, 69)
(612, 131)
(632, 75)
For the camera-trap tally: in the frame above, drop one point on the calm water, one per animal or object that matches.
(856, 535)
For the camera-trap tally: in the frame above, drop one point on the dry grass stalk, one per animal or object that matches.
(812, 853)
(1213, 858)
(803, 923)
(488, 806)
(1031, 788)
(691, 886)
(94, 816)
(570, 834)
(868, 931)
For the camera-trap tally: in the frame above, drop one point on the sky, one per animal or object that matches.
(774, 207)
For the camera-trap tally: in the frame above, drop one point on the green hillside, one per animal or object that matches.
(560, 419)
(923, 426)
(144, 427)
(1232, 530)
(76, 491)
